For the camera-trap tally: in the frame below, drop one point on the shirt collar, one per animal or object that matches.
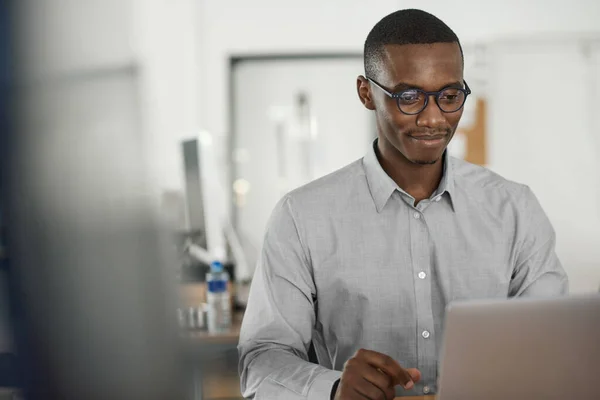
(382, 186)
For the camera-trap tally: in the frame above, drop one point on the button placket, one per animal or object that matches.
(421, 259)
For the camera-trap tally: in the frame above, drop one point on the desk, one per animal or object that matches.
(230, 337)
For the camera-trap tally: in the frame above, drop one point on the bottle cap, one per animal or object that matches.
(216, 266)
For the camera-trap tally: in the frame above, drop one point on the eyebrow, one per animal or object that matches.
(403, 86)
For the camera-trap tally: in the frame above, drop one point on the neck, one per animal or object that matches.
(420, 181)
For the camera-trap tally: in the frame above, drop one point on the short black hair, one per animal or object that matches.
(408, 26)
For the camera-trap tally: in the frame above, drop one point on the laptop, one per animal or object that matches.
(522, 349)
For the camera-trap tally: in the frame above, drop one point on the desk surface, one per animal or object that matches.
(230, 337)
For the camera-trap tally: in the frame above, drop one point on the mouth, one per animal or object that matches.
(429, 140)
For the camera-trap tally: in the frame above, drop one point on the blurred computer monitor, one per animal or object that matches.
(205, 210)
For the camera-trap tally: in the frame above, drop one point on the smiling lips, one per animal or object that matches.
(429, 140)
(428, 137)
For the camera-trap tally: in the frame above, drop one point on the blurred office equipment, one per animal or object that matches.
(201, 209)
(207, 236)
(210, 233)
(195, 199)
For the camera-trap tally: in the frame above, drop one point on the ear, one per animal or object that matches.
(363, 88)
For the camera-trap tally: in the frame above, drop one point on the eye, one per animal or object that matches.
(451, 95)
(409, 97)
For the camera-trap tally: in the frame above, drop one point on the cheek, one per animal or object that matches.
(454, 118)
(398, 121)
(392, 117)
(402, 122)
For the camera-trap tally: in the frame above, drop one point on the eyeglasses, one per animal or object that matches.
(413, 101)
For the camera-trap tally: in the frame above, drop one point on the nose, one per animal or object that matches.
(431, 116)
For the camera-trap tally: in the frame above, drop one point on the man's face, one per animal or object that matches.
(420, 138)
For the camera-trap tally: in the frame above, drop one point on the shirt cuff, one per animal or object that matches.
(321, 386)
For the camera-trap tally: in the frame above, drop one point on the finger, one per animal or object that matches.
(415, 374)
(357, 372)
(388, 365)
(359, 395)
(382, 381)
(369, 390)
(351, 394)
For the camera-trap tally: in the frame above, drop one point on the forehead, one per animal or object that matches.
(429, 66)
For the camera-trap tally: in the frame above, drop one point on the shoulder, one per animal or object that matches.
(482, 183)
(481, 189)
(328, 191)
(318, 200)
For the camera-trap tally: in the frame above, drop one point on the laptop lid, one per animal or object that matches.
(522, 349)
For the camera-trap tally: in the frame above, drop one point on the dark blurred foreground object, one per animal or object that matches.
(8, 370)
(91, 291)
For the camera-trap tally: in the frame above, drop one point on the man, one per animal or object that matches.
(362, 263)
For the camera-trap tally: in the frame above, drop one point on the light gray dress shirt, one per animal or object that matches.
(349, 262)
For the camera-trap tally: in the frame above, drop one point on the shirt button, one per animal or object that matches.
(426, 389)
(417, 215)
(438, 198)
(425, 334)
(422, 275)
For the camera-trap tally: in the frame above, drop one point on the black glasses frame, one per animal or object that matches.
(396, 96)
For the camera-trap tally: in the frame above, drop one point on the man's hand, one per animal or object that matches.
(372, 375)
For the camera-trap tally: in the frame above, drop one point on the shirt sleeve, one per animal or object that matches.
(277, 328)
(538, 271)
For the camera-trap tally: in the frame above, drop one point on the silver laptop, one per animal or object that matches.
(522, 349)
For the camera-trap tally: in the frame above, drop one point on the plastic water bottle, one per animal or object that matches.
(218, 299)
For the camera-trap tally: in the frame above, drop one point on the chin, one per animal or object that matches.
(425, 162)
(423, 154)
(424, 159)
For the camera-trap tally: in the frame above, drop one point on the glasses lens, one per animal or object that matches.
(451, 99)
(411, 101)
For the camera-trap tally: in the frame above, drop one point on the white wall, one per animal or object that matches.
(166, 41)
